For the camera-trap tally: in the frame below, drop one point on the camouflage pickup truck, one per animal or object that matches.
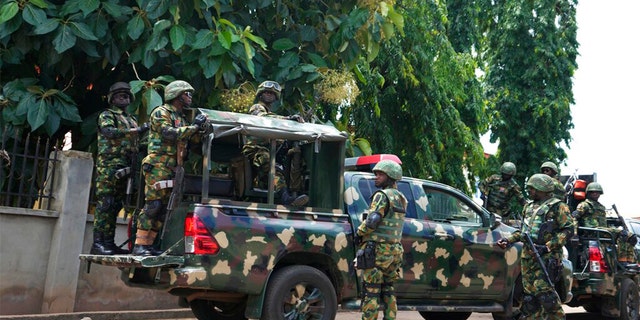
(232, 253)
(602, 284)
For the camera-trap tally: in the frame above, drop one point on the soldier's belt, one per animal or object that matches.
(163, 184)
(121, 173)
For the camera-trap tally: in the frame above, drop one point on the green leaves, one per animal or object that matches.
(8, 10)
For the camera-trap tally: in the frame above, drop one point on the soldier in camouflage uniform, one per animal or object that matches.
(548, 222)
(118, 133)
(169, 129)
(380, 233)
(498, 190)
(592, 214)
(549, 168)
(257, 151)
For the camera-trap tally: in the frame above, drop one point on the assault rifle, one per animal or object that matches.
(543, 267)
(178, 185)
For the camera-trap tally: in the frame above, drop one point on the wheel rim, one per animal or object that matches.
(304, 302)
(631, 304)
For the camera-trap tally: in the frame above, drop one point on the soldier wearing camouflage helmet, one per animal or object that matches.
(549, 224)
(118, 133)
(170, 130)
(549, 168)
(498, 190)
(592, 214)
(378, 237)
(257, 150)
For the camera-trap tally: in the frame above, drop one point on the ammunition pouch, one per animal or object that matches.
(366, 257)
(124, 172)
(548, 301)
(554, 269)
(530, 305)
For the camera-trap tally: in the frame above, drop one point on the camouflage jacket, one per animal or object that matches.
(547, 222)
(391, 205)
(114, 151)
(591, 214)
(254, 144)
(167, 128)
(558, 190)
(499, 193)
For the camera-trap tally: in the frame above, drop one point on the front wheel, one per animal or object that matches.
(445, 315)
(629, 301)
(215, 310)
(300, 292)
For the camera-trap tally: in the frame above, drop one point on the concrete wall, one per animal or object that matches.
(40, 272)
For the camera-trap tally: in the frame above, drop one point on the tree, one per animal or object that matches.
(529, 59)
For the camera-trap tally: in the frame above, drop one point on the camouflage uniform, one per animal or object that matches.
(558, 188)
(168, 128)
(549, 223)
(378, 281)
(499, 193)
(113, 154)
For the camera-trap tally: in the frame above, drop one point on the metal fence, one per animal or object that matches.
(26, 166)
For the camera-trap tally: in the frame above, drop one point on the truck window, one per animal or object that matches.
(447, 207)
(367, 187)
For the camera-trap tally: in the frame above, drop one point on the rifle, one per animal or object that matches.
(568, 185)
(178, 186)
(529, 241)
(133, 164)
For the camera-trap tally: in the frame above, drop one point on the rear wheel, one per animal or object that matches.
(215, 310)
(629, 301)
(426, 315)
(300, 292)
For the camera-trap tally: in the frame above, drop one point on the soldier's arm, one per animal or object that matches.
(565, 227)
(108, 128)
(378, 206)
(161, 122)
(518, 194)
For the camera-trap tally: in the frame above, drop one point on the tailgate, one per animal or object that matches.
(127, 261)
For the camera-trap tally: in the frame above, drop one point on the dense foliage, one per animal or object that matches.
(422, 79)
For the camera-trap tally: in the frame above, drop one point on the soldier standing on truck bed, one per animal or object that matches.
(549, 168)
(498, 190)
(548, 222)
(592, 214)
(118, 133)
(378, 236)
(169, 128)
(257, 151)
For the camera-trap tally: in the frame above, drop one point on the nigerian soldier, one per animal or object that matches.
(378, 238)
(548, 222)
(118, 134)
(169, 131)
(592, 214)
(257, 150)
(549, 168)
(498, 190)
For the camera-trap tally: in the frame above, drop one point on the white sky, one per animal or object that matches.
(605, 114)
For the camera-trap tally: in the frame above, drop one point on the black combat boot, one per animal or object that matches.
(110, 243)
(99, 246)
(292, 199)
(144, 244)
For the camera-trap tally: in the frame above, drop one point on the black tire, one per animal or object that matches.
(300, 292)
(630, 303)
(215, 310)
(426, 315)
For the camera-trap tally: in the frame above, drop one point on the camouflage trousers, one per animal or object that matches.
(259, 157)
(153, 174)
(626, 251)
(378, 282)
(110, 194)
(535, 285)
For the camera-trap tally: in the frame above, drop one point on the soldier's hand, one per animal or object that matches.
(503, 243)
(296, 117)
(199, 121)
(143, 128)
(542, 249)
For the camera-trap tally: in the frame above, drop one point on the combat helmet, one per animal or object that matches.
(508, 168)
(269, 86)
(119, 87)
(541, 182)
(391, 168)
(175, 89)
(594, 187)
(550, 165)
